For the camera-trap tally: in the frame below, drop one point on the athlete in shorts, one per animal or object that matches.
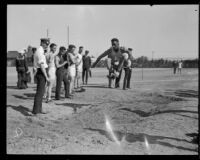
(114, 62)
(79, 68)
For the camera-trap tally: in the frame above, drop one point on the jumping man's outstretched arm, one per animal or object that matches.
(100, 57)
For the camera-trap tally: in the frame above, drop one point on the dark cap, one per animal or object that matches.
(45, 40)
(62, 48)
(34, 49)
(130, 49)
(71, 46)
(114, 39)
(86, 51)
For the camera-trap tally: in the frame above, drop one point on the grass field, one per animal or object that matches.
(158, 115)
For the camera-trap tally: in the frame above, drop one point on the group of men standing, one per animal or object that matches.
(67, 66)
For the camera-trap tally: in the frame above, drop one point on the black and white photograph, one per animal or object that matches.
(102, 79)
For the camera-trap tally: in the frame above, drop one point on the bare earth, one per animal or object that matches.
(159, 115)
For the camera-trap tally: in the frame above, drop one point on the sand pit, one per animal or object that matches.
(159, 115)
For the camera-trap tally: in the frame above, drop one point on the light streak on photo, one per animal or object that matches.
(110, 130)
(147, 145)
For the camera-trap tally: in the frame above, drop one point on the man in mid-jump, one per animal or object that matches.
(114, 62)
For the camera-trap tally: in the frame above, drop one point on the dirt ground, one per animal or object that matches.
(158, 115)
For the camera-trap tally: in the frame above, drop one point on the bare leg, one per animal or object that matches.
(75, 79)
(69, 86)
(72, 84)
(50, 85)
(78, 78)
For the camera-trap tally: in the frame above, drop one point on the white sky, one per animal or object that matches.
(168, 30)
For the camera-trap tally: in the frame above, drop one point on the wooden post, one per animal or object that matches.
(68, 35)
(47, 33)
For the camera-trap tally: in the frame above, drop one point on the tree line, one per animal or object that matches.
(156, 63)
(139, 62)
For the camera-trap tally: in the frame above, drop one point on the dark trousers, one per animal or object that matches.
(117, 80)
(41, 81)
(129, 78)
(61, 77)
(26, 85)
(85, 74)
(174, 70)
(21, 84)
(35, 79)
(90, 72)
(127, 71)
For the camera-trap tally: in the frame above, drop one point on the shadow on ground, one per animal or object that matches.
(189, 95)
(74, 106)
(184, 93)
(140, 137)
(147, 114)
(31, 95)
(23, 110)
(80, 90)
(12, 87)
(96, 86)
(15, 87)
(186, 116)
(20, 97)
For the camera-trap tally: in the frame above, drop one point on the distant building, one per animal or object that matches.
(12, 55)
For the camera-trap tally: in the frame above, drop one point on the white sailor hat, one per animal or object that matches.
(22, 51)
(45, 40)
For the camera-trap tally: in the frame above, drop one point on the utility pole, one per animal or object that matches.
(68, 35)
(47, 33)
(142, 67)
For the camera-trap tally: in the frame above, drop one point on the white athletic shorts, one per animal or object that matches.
(52, 73)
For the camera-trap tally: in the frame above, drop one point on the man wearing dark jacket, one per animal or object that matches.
(174, 65)
(22, 69)
(86, 67)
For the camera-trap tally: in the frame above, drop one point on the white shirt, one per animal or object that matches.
(79, 60)
(40, 58)
(180, 65)
(82, 53)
